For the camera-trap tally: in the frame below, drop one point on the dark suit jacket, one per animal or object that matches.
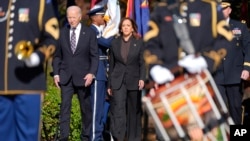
(132, 71)
(85, 59)
(237, 55)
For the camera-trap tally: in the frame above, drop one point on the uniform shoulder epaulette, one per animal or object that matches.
(247, 64)
(243, 21)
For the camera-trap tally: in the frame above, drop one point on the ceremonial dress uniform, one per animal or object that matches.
(99, 87)
(206, 31)
(229, 75)
(21, 85)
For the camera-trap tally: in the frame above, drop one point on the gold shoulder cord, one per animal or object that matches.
(217, 28)
(40, 14)
(214, 16)
(220, 27)
(151, 33)
(247, 64)
(52, 27)
(216, 56)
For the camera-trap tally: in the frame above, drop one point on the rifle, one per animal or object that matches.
(182, 34)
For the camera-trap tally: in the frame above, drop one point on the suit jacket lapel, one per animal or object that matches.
(81, 38)
(67, 38)
(118, 47)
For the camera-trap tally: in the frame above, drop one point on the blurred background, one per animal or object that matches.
(240, 8)
(51, 105)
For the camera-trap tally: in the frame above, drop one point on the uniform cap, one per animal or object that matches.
(96, 10)
(225, 3)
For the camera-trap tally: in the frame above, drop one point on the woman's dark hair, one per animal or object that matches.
(134, 26)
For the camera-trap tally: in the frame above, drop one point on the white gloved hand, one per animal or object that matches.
(193, 64)
(161, 74)
(32, 61)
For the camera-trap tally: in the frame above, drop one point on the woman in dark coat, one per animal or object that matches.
(126, 80)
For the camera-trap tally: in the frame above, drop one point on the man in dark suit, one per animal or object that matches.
(235, 66)
(75, 64)
(99, 87)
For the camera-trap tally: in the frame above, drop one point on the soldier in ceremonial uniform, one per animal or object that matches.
(29, 30)
(207, 31)
(166, 46)
(235, 65)
(99, 87)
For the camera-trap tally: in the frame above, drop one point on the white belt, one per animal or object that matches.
(103, 57)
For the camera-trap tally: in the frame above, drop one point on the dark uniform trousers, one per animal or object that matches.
(232, 95)
(98, 95)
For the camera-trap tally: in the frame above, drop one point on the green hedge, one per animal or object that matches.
(50, 114)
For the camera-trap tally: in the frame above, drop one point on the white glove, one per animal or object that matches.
(193, 64)
(32, 61)
(161, 74)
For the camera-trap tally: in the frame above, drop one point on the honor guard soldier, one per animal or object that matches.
(99, 87)
(29, 30)
(206, 35)
(189, 34)
(235, 65)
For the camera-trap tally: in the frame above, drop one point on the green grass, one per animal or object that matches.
(50, 113)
